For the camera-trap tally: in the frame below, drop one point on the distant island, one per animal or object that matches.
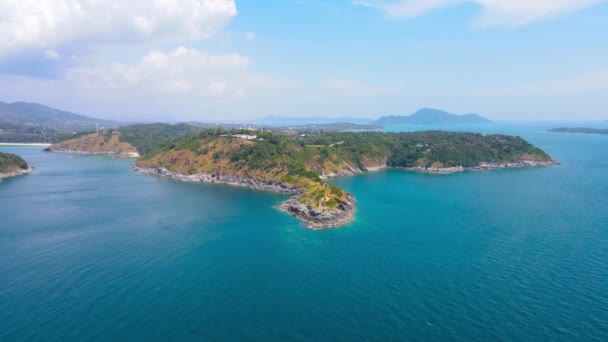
(12, 165)
(579, 130)
(429, 116)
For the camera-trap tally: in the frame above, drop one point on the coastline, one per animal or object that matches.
(312, 217)
(315, 218)
(482, 167)
(16, 173)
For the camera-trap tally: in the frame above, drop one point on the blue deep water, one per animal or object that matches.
(90, 250)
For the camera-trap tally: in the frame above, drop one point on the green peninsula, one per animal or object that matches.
(298, 164)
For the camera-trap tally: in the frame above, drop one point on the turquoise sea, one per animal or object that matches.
(90, 251)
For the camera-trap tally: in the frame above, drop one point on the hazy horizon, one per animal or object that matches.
(242, 60)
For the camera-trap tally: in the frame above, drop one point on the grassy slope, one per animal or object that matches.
(94, 143)
(11, 162)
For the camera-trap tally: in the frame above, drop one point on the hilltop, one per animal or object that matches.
(429, 116)
(94, 143)
(297, 165)
(12, 165)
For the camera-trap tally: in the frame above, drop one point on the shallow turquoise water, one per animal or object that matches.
(92, 251)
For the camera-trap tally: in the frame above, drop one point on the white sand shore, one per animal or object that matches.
(24, 144)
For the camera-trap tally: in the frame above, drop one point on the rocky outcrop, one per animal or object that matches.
(320, 219)
(314, 218)
(16, 173)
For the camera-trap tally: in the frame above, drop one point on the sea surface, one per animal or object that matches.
(91, 251)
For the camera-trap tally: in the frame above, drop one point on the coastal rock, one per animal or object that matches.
(319, 219)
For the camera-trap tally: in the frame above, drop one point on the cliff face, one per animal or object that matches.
(96, 144)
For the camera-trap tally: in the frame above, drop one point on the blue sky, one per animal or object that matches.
(211, 60)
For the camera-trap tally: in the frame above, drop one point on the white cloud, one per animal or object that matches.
(594, 81)
(52, 55)
(182, 72)
(250, 36)
(51, 24)
(355, 88)
(511, 13)
(218, 88)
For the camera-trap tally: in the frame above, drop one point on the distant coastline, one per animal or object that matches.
(24, 144)
(580, 130)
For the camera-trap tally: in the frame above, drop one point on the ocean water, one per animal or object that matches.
(92, 251)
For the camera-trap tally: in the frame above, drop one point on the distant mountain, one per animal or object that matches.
(429, 116)
(34, 114)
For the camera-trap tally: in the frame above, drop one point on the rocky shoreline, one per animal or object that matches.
(445, 170)
(314, 218)
(16, 173)
(483, 167)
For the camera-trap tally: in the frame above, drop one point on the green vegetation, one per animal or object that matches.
(147, 137)
(423, 149)
(11, 162)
